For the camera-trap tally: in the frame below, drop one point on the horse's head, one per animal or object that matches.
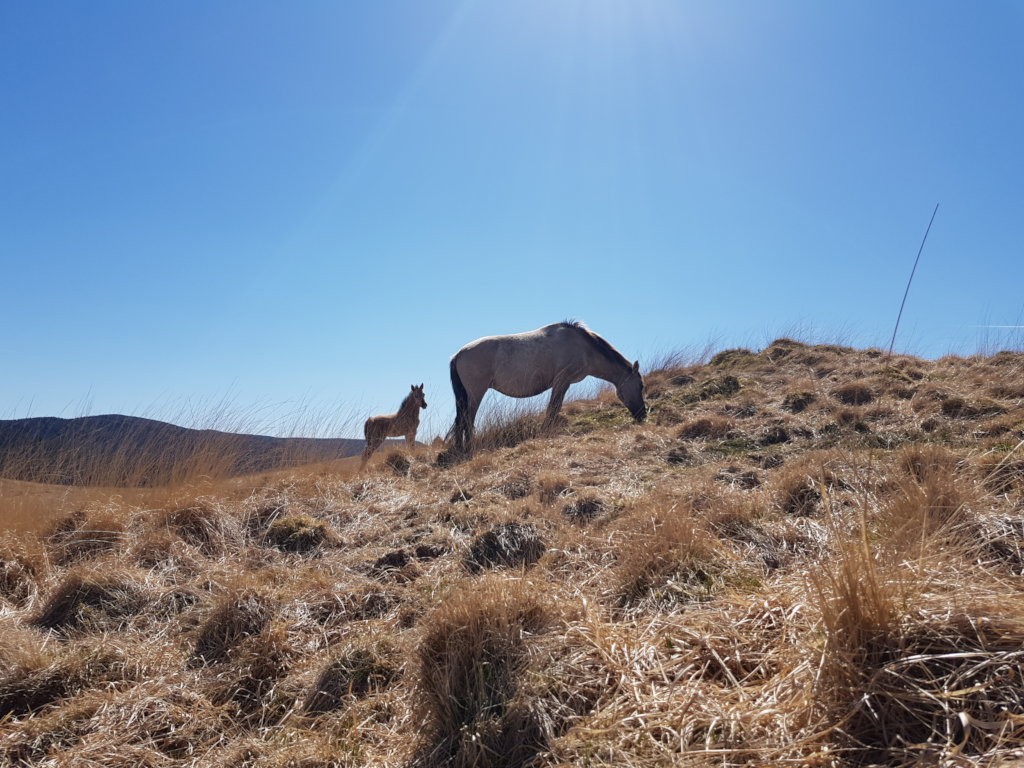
(631, 392)
(418, 396)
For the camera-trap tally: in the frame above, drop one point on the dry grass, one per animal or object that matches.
(762, 574)
(666, 558)
(235, 617)
(357, 672)
(478, 695)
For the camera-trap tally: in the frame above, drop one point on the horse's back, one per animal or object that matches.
(519, 364)
(512, 342)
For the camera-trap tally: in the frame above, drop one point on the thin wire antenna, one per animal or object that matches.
(907, 291)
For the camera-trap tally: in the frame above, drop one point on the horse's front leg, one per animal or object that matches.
(410, 440)
(558, 391)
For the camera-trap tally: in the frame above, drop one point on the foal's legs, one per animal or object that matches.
(367, 453)
(374, 437)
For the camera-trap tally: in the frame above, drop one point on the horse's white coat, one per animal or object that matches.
(526, 364)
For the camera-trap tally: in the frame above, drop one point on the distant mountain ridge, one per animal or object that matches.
(117, 450)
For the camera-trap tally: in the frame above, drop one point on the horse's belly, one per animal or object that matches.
(520, 390)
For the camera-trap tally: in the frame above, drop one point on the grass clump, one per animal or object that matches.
(297, 533)
(20, 571)
(854, 393)
(235, 617)
(80, 536)
(679, 455)
(671, 559)
(360, 602)
(203, 526)
(673, 406)
(799, 496)
(475, 677)
(398, 463)
(782, 348)
(84, 601)
(911, 679)
(721, 386)
(797, 402)
(585, 508)
(552, 486)
(733, 358)
(359, 671)
(1002, 474)
(505, 545)
(705, 428)
(923, 463)
(33, 682)
(962, 408)
(507, 429)
(516, 486)
(247, 682)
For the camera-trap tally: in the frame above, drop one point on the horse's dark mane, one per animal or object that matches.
(606, 350)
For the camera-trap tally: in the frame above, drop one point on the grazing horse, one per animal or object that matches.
(405, 422)
(526, 364)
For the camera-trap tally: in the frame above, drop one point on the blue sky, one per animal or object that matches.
(285, 208)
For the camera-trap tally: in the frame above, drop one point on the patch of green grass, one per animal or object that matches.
(589, 421)
(736, 446)
(296, 533)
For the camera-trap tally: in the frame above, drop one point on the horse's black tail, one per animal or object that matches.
(459, 432)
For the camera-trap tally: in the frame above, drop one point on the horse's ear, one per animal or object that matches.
(636, 366)
(421, 387)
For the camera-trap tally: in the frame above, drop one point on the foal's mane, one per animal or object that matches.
(606, 350)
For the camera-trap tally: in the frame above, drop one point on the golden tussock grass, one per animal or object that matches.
(479, 664)
(666, 556)
(761, 574)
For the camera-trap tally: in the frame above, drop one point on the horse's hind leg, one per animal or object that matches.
(462, 430)
(374, 437)
(470, 419)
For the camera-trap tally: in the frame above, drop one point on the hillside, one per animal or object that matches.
(808, 555)
(115, 450)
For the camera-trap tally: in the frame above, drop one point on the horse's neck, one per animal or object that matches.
(604, 368)
(408, 410)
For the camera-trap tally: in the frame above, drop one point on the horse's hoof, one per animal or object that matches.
(450, 457)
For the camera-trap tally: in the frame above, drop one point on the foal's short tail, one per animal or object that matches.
(460, 429)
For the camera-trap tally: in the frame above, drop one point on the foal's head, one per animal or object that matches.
(631, 392)
(417, 396)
